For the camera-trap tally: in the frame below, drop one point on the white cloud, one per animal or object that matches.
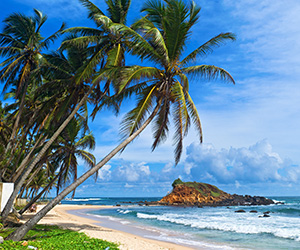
(265, 102)
(270, 33)
(237, 184)
(256, 170)
(104, 173)
(255, 164)
(128, 185)
(125, 172)
(258, 163)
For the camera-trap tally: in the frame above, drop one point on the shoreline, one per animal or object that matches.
(63, 216)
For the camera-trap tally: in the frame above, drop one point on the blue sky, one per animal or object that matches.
(251, 130)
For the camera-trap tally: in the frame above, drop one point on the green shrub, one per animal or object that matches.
(177, 182)
(52, 237)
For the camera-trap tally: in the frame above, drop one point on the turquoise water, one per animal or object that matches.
(209, 227)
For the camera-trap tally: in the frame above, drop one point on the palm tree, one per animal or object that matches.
(109, 48)
(165, 29)
(22, 45)
(106, 44)
(64, 153)
(70, 146)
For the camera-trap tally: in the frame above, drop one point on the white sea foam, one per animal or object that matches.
(79, 200)
(83, 199)
(95, 199)
(276, 201)
(147, 216)
(123, 211)
(246, 223)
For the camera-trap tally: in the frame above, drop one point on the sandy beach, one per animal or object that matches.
(59, 216)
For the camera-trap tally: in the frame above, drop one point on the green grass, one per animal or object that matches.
(214, 194)
(196, 186)
(44, 237)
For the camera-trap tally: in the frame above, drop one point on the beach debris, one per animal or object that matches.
(253, 211)
(240, 211)
(32, 247)
(1, 240)
(24, 243)
(107, 248)
(33, 208)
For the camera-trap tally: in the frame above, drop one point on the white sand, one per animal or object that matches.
(60, 217)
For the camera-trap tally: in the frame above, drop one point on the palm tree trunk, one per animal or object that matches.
(11, 199)
(20, 232)
(23, 138)
(16, 124)
(26, 160)
(33, 175)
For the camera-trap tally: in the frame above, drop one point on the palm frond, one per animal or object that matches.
(209, 72)
(9, 51)
(161, 123)
(155, 12)
(135, 117)
(208, 47)
(128, 75)
(82, 41)
(88, 141)
(92, 8)
(88, 69)
(83, 31)
(40, 19)
(12, 63)
(138, 45)
(185, 81)
(45, 44)
(118, 10)
(178, 93)
(178, 135)
(194, 115)
(154, 35)
(115, 56)
(88, 158)
(194, 13)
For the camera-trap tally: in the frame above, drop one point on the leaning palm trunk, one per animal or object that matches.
(21, 231)
(22, 179)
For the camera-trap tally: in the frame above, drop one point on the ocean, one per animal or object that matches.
(207, 227)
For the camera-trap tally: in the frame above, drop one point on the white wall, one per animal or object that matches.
(6, 190)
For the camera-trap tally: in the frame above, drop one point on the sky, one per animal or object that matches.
(251, 129)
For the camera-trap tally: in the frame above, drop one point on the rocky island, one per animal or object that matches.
(203, 194)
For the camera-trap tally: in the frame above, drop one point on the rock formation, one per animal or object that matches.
(203, 194)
